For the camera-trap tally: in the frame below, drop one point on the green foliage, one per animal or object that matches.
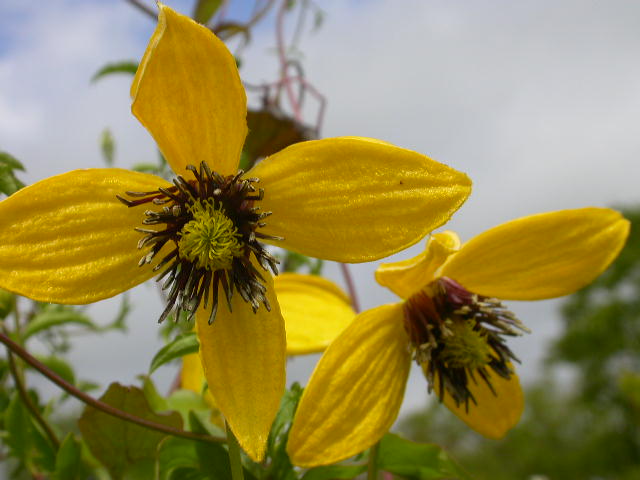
(108, 147)
(204, 10)
(416, 461)
(183, 344)
(9, 184)
(125, 66)
(7, 303)
(120, 445)
(68, 464)
(279, 464)
(331, 472)
(55, 315)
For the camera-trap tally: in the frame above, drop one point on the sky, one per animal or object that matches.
(538, 102)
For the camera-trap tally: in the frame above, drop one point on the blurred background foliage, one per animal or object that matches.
(582, 418)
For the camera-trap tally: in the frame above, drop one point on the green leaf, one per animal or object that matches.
(177, 459)
(280, 466)
(9, 184)
(146, 168)
(416, 461)
(19, 429)
(126, 66)
(59, 366)
(107, 146)
(334, 471)
(119, 444)
(213, 457)
(186, 401)
(53, 316)
(205, 9)
(9, 161)
(68, 460)
(183, 344)
(7, 303)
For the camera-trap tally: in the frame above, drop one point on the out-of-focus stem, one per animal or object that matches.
(346, 273)
(24, 395)
(234, 455)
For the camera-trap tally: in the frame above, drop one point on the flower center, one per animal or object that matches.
(210, 240)
(211, 223)
(458, 336)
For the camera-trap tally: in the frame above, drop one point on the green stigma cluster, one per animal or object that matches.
(210, 240)
(465, 345)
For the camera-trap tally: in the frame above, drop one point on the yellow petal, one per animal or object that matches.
(406, 277)
(355, 392)
(192, 378)
(494, 415)
(243, 354)
(355, 199)
(541, 256)
(67, 239)
(188, 95)
(315, 311)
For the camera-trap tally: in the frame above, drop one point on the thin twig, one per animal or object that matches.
(144, 8)
(24, 395)
(97, 404)
(284, 65)
(350, 287)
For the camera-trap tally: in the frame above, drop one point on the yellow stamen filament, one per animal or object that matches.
(210, 240)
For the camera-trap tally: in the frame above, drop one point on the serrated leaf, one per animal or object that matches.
(126, 66)
(205, 9)
(183, 344)
(9, 161)
(417, 461)
(119, 444)
(51, 317)
(68, 460)
(59, 366)
(331, 472)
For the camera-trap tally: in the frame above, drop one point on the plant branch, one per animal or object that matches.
(346, 273)
(97, 404)
(24, 395)
(284, 64)
(144, 8)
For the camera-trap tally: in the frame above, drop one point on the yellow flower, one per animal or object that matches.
(452, 323)
(67, 239)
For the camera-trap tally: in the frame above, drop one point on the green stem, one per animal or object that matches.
(372, 471)
(24, 395)
(234, 455)
(97, 404)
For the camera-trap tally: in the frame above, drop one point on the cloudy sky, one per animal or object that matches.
(539, 102)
